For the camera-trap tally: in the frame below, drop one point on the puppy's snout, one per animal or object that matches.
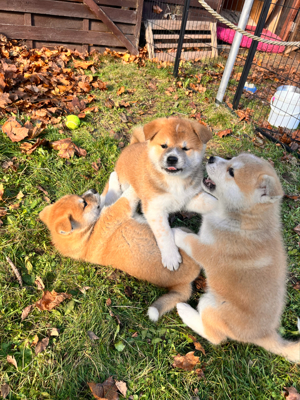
(211, 160)
(172, 160)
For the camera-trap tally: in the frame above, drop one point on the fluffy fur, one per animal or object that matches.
(163, 165)
(240, 247)
(101, 230)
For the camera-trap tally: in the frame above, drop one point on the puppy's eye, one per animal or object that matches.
(84, 204)
(185, 148)
(231, 172)
(164, 146)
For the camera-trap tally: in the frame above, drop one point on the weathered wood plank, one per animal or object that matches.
(28, 21)
(158, 24)
(49, 21)
(214, 42)
(186, 36)
(52, 45)
(59, 8)
(188, 55)
(85, 27)
(139, 14)
(100, 13)
(112, 3)
(60, 35)
(184, 45)
(99, 26)
(11, 18)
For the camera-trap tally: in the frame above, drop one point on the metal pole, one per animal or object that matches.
(234, 51)
(251, 53)
(181, 36)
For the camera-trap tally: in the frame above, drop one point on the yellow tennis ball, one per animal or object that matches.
(72, 121)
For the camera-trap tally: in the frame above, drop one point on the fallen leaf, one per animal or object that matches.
(26, 311)
(122, 387)
(109, 103)
(82, 64)
(199, 372)
(34, 341)
(92, 336)
(84, 289)
(106, 390)
(223, 133)
(4, 100)
(157, 9)
(1, 191)
(135, 334)
(186, 362)
(108, 302)
(67, 148)
(5, 389)
(41, 346)
(3, 212)
(39, 283)
(54, 332)
(297, 229)
(128, 291)
(121, 90)
(29, 148)
(11, 360)
(123, 117)
(200, 283)
(291, 393)
(51, 300)
(197, 345)
(14, 130)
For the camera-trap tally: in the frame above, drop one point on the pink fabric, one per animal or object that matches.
(227, 35)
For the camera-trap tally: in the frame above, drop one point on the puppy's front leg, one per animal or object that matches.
(111, 194)
(159, 223)
(203, 203)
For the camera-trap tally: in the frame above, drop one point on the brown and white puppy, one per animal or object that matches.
(240, 247)
(163, 165)
(88, 228)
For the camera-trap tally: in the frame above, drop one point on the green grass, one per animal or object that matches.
(61, 372)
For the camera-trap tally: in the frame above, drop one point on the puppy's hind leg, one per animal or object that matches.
(168, 301)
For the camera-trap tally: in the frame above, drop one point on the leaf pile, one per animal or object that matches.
(108, 390)
(41, 83)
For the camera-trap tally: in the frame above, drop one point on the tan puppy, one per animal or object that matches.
(114, 238)
(240, 247)
(163, 165)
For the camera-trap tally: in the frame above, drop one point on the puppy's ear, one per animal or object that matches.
(63, 225)
(269, 189)
(203, 133)
(45, 215)
(152, 128)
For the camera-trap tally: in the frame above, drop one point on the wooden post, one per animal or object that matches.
(28, 22)
(214, 43)
(85, 27)
(100, 14)
(149, 39)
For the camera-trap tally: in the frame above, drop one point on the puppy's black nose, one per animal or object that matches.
(172, 160)
(211, 160)
(94, 191)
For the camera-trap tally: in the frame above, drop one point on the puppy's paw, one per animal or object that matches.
(171, 259)
(153, 314)
(186, 312)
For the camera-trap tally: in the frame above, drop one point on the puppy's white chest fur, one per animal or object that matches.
(178, 195)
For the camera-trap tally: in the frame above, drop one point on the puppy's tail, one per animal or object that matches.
(177, 294)
(277, 345)
(138, 135)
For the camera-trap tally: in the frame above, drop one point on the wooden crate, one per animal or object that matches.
(157, 42)
(74, 23)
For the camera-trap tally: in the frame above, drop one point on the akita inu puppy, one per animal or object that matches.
(164, 166)
(240, 247)
(91, 228)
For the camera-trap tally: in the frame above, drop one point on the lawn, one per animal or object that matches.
(130, 347)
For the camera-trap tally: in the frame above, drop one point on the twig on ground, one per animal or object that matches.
(15, 270)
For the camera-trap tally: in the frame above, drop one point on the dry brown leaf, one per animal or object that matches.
(291, 393)
(82, 64)
(51, 300)
(121, 90)
(297, 229)
(27, 310)
(223, 133)
(29, 148)
(186, 362)
(34, 341)
(92, 336)
(199, 372)
(11, 360)
(39, 283)
(5, 389)
(4, 100)
(106, 390)
(41, 346)
(197, 345)
(14, 130)
(67, 148)
(109, 103)
(122, 387)
(54, 332)
(157, 9)
(200, 283)
(3, 212)
(108, 302)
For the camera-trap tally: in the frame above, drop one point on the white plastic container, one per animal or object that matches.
(285, 107)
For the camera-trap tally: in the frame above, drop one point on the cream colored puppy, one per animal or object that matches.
(240, 247)
(164, 166)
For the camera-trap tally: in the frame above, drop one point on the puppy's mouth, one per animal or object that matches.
(173, 170)
(209, 184)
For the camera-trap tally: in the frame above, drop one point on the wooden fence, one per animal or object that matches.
(77, 24)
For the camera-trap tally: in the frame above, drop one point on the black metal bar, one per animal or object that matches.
(181, 36)
(274, 140)
(251, 53)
